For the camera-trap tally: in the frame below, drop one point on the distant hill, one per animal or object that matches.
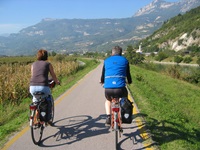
(179, 33)
(83, 35)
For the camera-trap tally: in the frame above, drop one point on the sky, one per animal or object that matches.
(18, 14)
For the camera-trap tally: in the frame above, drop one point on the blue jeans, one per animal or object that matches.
(44, 89)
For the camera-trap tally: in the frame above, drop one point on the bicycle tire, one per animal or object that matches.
(116, 129)
(116, 139)
(52, 109)
(36, 129)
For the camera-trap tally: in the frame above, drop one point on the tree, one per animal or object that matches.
(129, 54)
(138, 58)
(53, 53)
(133, 57)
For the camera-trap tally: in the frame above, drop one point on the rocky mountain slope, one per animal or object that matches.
(179, 33)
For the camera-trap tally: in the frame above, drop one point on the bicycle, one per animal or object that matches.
(116, 121)
(38, 114)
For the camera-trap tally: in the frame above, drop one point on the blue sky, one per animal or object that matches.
(18, 14)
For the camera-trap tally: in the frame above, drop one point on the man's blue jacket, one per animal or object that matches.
(115, 71)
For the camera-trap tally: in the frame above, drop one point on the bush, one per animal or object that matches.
(161, 56)
(187, 60)
(174, 72)
(198, 61)
(193, 78)
(178, 59)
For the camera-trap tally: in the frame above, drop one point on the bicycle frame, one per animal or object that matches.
(116, 116)
(116, 119)
(33, 108)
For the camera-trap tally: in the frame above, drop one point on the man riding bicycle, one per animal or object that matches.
(114, 74)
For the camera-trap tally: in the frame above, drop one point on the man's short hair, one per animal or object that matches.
(117, 50)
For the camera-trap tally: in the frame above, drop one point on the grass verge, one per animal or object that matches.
(14, 117)
(170, 108)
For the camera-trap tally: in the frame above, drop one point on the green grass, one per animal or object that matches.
(170, 108)
(13, 118)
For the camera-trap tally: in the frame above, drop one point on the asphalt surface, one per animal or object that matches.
(79, 123)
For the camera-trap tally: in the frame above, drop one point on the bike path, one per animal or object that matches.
(79, 123)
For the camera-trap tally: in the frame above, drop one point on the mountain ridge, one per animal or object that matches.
(82, 35)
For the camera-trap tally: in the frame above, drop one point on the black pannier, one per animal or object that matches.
(43, 110)
(126, 110)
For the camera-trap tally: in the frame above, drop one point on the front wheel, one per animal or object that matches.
(36, 127)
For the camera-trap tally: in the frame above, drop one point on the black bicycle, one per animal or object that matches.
(41, 115)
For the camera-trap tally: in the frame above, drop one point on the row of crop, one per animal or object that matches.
(14, 79)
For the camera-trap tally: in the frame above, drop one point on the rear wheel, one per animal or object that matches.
(116, 139)
(52, 110)
(36, 128)
(116, 129)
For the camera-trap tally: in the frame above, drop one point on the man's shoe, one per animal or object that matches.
(108, 120)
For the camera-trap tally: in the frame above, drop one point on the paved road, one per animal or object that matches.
(80, 123)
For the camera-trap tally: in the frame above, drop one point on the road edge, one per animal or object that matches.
(148, 143)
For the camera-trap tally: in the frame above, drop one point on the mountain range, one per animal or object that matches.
(86, 35)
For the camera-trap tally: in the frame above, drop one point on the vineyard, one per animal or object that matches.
(16, 73)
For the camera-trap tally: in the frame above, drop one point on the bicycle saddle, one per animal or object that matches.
(38, 94)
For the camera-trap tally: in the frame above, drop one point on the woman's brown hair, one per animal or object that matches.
(42, 54)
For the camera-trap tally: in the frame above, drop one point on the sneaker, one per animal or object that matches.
(108, 120)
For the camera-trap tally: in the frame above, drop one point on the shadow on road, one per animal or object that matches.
(74, 129)
(166, 131)
(137, 133)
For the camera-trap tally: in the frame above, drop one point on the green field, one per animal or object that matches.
(170, 108)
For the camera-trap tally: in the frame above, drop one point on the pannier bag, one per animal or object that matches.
(49, 108)
(43, 110)
(126, 110)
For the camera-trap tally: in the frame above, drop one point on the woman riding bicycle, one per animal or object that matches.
(40, 70)
(114, 73)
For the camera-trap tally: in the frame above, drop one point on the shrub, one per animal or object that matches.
(161, 56)
(187, 60)
(174, 72)
(178, 59)
(198, 61)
